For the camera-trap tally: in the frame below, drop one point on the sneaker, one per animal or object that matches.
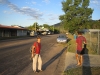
(40, 70)
(35, 71)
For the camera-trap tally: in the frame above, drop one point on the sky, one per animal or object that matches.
(27, 12)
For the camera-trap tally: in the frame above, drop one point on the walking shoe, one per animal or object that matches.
(35, 71)
(40, 70)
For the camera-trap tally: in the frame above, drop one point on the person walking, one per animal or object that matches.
(36, 56)
(75, 36)
(80, 40)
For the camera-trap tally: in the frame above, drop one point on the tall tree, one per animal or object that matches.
(35, 26)
(76, 14)
(45, 25)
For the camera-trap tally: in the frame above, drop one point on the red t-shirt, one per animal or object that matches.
(37, 47)
(79, 41)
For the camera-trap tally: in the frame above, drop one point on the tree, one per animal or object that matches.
(46, 26)
(35, 26)
(76, 14)
(30, 27)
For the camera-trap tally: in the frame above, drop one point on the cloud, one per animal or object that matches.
(35, 13)
(28, 3)
(46, 1)
(53, 16)
(4, 2)
(6, 12)
(33, 2)
(95, 3)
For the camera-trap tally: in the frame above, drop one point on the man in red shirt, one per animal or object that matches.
(79, 44)
(36, 55)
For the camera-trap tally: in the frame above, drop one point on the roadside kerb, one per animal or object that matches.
(60, 66)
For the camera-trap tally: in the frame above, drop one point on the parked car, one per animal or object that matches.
(33, 33)
(61, 38)
(49, 33)
(44, 33)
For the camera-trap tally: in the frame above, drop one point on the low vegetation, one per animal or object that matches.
(83, 70)
(72, 45)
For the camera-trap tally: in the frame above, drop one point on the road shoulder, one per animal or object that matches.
(51, 61)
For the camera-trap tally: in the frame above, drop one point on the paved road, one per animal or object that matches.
(14, 56)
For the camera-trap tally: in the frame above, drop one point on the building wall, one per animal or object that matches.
(5, 33)
(12, 32)
(24, 32)
(1, 33)
(21, 33)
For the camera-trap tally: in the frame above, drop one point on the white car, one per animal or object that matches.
(44, 33)
(49, 33)
(32, 33)
(62, 38)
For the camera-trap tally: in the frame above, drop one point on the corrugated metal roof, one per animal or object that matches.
(91, 30)
(11, 27)
(94, 30)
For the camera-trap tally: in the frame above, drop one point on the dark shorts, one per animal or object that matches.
(79, 52)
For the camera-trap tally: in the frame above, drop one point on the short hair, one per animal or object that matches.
(38, 37)
(79, 32)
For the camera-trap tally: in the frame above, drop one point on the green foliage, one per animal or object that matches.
(76, 14)
(31, 27)
(61, 17)
(46, 26)
(50, 27)
(83, 70)
(35, 26)
(92, 24)
(95, 24)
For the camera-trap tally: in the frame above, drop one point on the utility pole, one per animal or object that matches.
(36, 22)
(53, 29)
(35, 26)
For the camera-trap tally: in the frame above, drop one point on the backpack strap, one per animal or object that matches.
(36, 46)
(32, 47)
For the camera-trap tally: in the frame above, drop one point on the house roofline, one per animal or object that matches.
(11, 27)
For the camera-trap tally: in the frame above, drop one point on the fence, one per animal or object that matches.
(93, 40)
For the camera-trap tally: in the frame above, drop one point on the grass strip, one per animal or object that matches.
(83, 71)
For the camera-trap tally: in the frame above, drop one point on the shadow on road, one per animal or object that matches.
(86, 70)
(53, 59)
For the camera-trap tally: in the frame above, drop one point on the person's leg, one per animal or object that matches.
(39, 63)
(35, 62)
(81, 60)
(78, 59)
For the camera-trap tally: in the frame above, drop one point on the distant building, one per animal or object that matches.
(10, 31)
(43, 29)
